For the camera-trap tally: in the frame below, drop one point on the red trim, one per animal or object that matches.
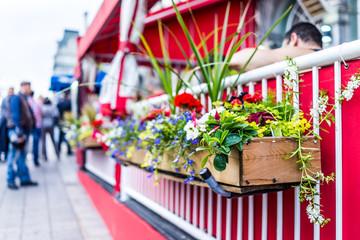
(102, 17)
(80, 157)
(117, 178)
(183, 7)
(108, 11)
(121, 222)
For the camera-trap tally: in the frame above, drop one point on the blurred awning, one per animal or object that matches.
(59, 83)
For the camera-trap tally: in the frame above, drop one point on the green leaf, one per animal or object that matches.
(317, 135)
(212, 122)
(239, 146)
(252, 132)
(223, 135)
(220, 162)
(231, 139)
(204, 161)
(207, 138)
(201, 148)
(328, 122)
(226, 149)
(218, 134)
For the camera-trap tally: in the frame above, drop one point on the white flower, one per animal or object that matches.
(191, 131)
(203, 119)
(219, 110)
(192, 134)
(314, 214)
(189, 126)
(320, 176)
(321, 107)
(291, 74)
(202, 128)
(348, 94)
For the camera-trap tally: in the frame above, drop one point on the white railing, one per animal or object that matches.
(163, 198)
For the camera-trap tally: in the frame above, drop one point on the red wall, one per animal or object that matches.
(205, 19)
(121, 221)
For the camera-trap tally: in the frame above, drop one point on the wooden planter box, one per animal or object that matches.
(89, 142)
(260, 167)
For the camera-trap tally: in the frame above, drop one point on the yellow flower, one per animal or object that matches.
(130, 152)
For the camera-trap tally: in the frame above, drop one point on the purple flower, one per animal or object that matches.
(137, 148)
(157, 141)
(185, 166)
(260, 118)
(189, 179)
(195, 141)
(192, 172)
(177, 169)
(190, 161)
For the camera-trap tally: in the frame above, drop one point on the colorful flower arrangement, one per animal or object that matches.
(88, 125)
(229, 125)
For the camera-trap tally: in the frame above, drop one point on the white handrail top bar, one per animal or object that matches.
(349, 50)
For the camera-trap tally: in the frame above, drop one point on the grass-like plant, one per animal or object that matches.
(213, 64)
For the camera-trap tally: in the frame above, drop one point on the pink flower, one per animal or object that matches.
(193, 114)
(214, 129)
(217, 116)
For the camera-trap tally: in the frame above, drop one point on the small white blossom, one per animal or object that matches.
(354, 83)
(202, 128)
(314, 214)
(203, 119)
(320, 176)
(291, 73)
(191, 131)
(219, 110)
(348, 94)
(321, 106)
(192, 135)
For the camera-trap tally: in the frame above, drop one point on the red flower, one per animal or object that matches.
(235, 101)
(254, 98)
(187, 101)
(96, 123)
(104, 147)
(217, 116)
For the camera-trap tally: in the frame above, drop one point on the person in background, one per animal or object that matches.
(36, 132)
(4, 143)
(64, 106)
(19, 122)
(49, 114)
(301, 39)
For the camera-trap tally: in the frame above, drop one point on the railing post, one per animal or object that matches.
(123, 183)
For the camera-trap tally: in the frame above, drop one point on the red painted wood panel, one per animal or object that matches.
(125, 224)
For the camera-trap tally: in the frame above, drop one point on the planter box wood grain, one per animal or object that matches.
(89, 142)
(260, 166)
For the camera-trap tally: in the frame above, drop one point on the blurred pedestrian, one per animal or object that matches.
(4, 143)
(49, 115)
(64, 106)
(36, 132)
(19, 122)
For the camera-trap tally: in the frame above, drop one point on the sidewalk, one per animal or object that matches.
(57, 209)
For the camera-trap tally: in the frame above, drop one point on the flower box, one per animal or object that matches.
(262, 165)
(89, 142)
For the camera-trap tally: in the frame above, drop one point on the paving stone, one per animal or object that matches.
(58, 209)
